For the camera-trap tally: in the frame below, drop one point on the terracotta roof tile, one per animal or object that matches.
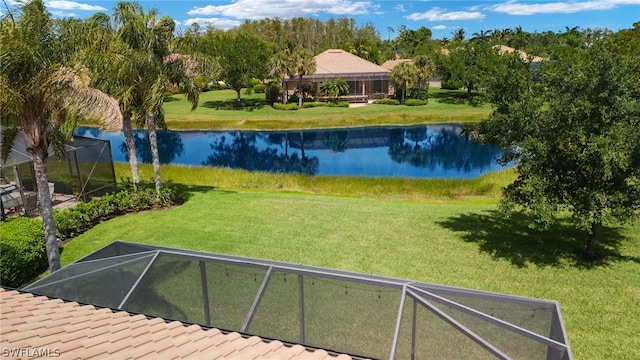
(83, 331)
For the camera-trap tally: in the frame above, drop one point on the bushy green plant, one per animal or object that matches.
(451, 84)
(260, 88)
(415, 102)
(23, 251)
(272, 92)
(387, 102)
(289, 106)
(312, 104)
(74, 221)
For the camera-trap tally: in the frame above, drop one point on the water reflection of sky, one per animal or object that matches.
(418, 152)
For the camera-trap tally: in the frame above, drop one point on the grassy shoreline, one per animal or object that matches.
(218, 110)
(484, 189)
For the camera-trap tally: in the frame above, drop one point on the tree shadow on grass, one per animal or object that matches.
(242, 105)
(186, 192)
(459, 98)
(511, 239)
(171, 99)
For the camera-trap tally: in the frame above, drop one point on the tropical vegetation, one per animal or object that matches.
(41, 89)
(573, 137)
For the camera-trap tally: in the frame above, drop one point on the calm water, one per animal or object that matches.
(417, 152)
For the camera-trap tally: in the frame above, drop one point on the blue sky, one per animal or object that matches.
(442, 17)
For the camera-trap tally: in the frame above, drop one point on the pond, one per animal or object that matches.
(426, 151)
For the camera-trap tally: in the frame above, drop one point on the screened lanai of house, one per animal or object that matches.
(364, 315)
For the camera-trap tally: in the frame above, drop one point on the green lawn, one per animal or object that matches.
(461, 244)
(216, 111)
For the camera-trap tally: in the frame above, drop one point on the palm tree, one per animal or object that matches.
(279, 68)
(145, 73)
(425, 68)
(458, 35)
(402, 75)
(41, 91)
(335, 87)
(302, 63)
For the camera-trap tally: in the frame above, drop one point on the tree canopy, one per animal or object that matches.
(573, 136)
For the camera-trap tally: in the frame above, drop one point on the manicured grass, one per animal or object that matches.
(217, 110)
(460, 244)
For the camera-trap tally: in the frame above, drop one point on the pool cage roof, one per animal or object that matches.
(364, 315)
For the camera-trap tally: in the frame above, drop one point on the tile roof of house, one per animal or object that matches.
(501, 49)
(334, 62)
(31, 325)
(390, 64)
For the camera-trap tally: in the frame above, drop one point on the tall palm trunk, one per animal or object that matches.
(301, 94)
(131, 148)
(46, 209)
(153, 143)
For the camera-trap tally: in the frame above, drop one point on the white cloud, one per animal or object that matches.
(285, 9)
(439, 27)
(559, 7)
(63, 14)
(400, 7)
(72, 5)
(218, 23)
(439, 14)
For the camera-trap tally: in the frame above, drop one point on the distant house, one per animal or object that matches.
(366, 80)
(501, 50)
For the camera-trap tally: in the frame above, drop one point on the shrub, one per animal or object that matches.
(387, 102)
(415, 102)
(451, 84)
(260, 88)
(272, 92)
(413, 93)
(289, 106)
(74, 221)
(22, 246)
(312, 104)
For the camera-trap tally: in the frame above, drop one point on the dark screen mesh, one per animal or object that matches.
(434, 338)
(317, 307)
(171, 289)
(334, 318)
(102, 282)
(277, 314)
(232, 290)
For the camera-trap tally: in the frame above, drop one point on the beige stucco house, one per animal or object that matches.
(366, 80)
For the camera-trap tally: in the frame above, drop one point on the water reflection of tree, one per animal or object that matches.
(445, 148)
(338, 141)
(241, 152)
(170, 146)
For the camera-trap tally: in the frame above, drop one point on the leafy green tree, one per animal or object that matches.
(573, 137)
(403, 75)
(242, 58)
(335, 87)
(471, 63)
(41, 89)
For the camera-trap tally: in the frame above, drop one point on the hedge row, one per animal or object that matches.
(76, 220)
(23, 251)
(22, 243)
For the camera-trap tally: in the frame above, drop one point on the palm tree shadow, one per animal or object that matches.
(186, 192)
(511, 239)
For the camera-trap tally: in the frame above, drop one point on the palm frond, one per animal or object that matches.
(72, 84)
